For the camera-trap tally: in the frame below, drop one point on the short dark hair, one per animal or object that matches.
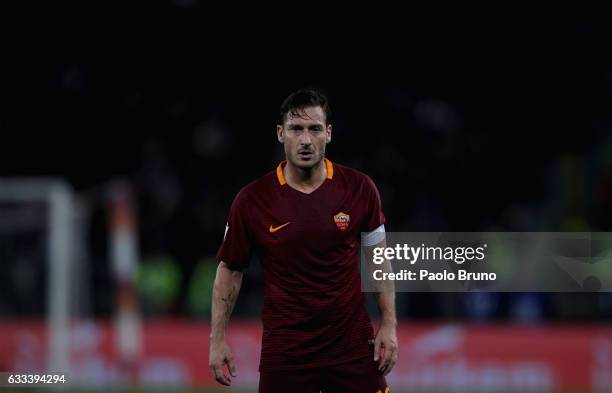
(305, 98)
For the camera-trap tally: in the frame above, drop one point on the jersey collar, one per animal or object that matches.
(281, 176)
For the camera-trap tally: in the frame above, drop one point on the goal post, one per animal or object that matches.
(58, 197)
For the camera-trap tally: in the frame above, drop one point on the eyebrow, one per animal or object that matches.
(301, 126)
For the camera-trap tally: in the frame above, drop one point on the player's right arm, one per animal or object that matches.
(234, 255)
(225, 292)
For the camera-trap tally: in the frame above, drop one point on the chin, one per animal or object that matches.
(305, 165)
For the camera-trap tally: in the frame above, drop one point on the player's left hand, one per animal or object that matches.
(385, 347)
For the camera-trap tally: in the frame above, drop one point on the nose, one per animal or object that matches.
(305, 138)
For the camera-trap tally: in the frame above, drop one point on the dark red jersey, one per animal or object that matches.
(308, 244)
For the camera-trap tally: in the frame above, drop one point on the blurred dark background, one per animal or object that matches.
(500, 122)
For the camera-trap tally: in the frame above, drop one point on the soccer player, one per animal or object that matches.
(304, 222)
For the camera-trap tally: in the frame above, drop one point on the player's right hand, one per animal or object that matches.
(220, 356)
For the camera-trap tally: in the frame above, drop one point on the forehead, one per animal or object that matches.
(308, 115)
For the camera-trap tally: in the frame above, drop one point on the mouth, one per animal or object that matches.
(305, 155)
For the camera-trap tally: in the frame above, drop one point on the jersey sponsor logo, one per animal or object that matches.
(274, 229)
(342, 220)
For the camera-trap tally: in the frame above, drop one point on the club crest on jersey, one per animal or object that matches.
(342, 220)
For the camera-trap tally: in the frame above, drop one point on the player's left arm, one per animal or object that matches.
(385, 342)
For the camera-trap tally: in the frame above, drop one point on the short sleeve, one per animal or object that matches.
(374, 216)
(236, 248)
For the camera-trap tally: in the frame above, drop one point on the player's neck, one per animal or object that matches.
(305, 180)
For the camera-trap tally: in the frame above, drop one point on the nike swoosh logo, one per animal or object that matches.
(274, 229)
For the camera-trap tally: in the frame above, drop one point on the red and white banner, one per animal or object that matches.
(432, 357)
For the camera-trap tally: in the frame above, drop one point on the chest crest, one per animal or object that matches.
(342, 220)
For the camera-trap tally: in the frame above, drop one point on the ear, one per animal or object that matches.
(329, 133)
(280, 133)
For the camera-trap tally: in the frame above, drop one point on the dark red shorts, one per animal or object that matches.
(358, 376)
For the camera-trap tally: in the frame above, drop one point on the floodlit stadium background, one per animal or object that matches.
(147, 126)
